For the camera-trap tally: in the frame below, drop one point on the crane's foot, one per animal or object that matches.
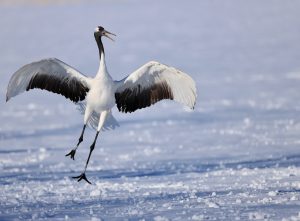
(72, 154)
(81, 177)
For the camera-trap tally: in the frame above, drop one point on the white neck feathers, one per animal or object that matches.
(102, 67)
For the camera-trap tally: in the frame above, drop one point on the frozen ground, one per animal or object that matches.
(236, 157)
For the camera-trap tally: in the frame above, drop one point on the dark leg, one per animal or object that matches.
(73, 151)
(82, 176)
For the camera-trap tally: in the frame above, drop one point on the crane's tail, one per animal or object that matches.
(110, 124)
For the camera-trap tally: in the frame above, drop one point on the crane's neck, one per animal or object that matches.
(100, 46)
(102, 66)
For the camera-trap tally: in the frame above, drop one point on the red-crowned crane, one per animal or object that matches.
(96, 96)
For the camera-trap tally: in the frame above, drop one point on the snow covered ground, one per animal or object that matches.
(235, 157)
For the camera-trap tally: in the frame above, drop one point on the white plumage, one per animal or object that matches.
(51, 68)
(96, 96)
(152, 73)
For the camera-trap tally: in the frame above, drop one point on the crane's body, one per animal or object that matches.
(97, 96)
(101, 96)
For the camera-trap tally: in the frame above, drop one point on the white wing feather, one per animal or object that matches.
(50, 74)
(150, 77)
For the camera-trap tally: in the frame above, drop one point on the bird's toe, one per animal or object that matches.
(82, 177)
(71, 154)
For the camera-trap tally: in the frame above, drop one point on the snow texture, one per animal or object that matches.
(235, 157)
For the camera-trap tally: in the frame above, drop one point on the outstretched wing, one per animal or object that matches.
(52, 75)
(154, 82)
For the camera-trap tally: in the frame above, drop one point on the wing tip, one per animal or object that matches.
(193, 107)
(7, 97)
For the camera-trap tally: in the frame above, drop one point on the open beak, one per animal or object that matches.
(107, 34)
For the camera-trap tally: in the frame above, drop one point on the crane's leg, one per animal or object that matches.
(103, 117)
(87, 114)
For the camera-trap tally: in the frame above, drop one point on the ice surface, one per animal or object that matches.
(235, 157)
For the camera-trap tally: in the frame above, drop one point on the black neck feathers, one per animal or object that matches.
(100, 44)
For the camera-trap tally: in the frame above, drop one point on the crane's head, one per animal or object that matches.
(100, 31)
